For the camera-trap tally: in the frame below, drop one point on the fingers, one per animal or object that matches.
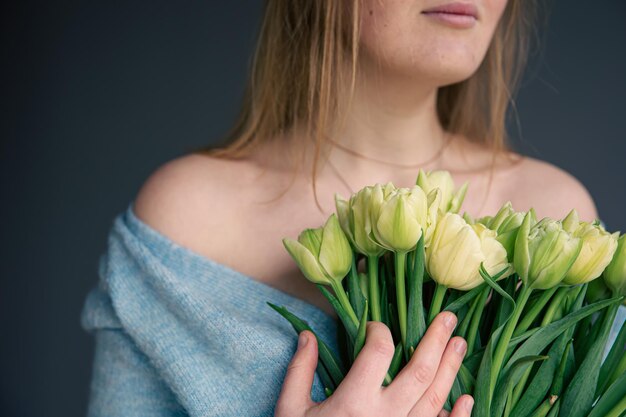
(295, 395)
(435, 396)
(415, 378)
(371, 365)
(463, 406)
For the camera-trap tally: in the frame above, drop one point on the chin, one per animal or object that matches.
(440, 69)
(438, 56)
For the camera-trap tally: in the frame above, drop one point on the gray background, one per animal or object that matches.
(96, 95)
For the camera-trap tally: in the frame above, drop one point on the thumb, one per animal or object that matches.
(295, 395)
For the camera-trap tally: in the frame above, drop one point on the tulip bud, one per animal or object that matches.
(496, 221)
(597, 251)
(615, 272)
(355, 219)
(544, 252)
(457, 249)
(451, 200)
(507, 227)
(322, 254)
(398, 221)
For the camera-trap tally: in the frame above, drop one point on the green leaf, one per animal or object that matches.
(559, 376)
(396, 362)
(482, 393)
(580, 394)
(541, 382)
(554, 411)
(617, 352)
(506, 383)
(468, 382)
(482, 404)
(341, 312)
(416, 322)
(460, 302)
(542, 410)
(324, 377)
(327, 357)
(472, 362)
(357, 300)
(545, 335)
(492, 283)
(611, 399)
(360, 336)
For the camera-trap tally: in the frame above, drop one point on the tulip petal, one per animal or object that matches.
(335, 252)
(306, 262)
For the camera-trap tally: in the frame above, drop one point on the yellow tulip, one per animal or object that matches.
(451, 198)
(324, 254)
(544, 252)
(355, 219)
(598, 247)
(457, 249)
(398, 217)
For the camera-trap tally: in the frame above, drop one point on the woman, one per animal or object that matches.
(341, 95)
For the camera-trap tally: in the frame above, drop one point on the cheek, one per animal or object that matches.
(401, 39)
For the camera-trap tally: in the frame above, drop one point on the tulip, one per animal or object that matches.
(324, 256)
(399, 218)
(451, 199)
(399, 221)
(615, 272)
(598, 247)
(506, 223)
(355, 219)
(457, 249)
(544, 252)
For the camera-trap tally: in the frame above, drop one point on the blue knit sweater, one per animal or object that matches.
(178, 334)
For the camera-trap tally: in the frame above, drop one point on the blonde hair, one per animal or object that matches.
(295, 76)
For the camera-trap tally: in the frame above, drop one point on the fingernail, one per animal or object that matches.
(302, 341)
(469, 404)
(460, 346)
(449, 320)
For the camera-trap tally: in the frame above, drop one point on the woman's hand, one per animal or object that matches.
(420, 389)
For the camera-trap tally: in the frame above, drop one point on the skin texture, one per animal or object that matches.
(407, 57)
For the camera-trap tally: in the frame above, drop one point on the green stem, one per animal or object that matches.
(534, 311)
(619, 369)
(344, 301)
(400, 258)
(554, 305)
(473, 329)
(505, 337)
(547, 319)
(435, 305)
(374, 296)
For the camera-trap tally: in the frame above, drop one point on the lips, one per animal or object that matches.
(459, 9)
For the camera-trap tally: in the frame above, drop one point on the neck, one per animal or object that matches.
(391, 119)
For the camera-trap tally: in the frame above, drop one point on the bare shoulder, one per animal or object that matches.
(551, 190)
(190, 195)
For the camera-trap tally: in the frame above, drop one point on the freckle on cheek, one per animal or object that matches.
(371, 12)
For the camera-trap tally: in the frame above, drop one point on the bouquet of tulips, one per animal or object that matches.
(535, 299)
